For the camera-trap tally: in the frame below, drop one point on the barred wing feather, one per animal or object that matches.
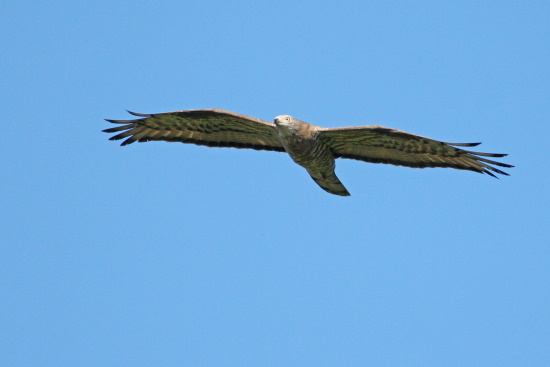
(209, 127)
(378, 144)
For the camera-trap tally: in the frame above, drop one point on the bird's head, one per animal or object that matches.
(287, 122)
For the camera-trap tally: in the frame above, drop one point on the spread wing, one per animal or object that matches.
(378, 144)
(212, 127)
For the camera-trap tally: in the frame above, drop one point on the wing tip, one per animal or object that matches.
(127, 142)
(463, 144)
(139, 114)
(118, 121)
(487, 170)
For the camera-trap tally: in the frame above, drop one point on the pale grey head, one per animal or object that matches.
(287, 123)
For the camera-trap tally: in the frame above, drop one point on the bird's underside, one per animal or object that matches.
(313, 147)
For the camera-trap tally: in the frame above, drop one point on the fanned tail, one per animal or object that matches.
(330, 183)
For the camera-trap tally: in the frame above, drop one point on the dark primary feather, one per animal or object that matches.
(210, 127)
(378, 144)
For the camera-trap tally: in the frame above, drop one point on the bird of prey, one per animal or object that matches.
(313, 147)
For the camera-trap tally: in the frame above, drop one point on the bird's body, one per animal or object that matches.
(312, 147)
(301, 142)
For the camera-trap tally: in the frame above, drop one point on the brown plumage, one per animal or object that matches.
(313, 147)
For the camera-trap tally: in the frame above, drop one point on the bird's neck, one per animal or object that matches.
(287, 129)
(296, 128)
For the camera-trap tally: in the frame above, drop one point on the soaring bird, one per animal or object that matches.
(313, 147)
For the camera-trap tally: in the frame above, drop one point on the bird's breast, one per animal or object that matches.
(307, 152)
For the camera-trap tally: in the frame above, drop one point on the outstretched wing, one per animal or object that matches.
(378, 144)
(212, 127)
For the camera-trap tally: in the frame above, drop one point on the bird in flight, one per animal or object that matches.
(313, 147)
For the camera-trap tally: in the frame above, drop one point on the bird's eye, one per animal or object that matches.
(287, 119)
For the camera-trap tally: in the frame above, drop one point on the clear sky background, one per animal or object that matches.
(164, 254)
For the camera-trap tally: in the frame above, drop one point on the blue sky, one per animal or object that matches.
(180, 255)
